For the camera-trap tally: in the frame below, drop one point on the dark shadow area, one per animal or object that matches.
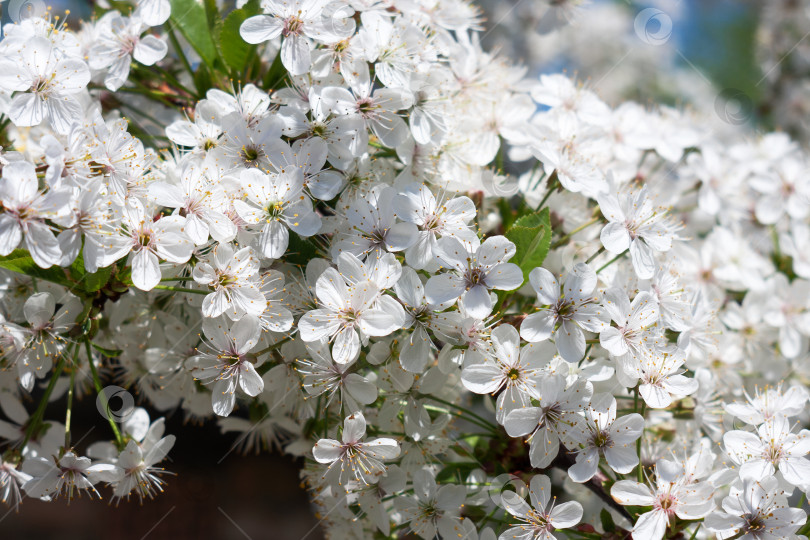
(243, 497)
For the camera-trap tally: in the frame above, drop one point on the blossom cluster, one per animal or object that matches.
(458, 293)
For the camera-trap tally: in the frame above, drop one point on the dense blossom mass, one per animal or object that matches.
(475, 303)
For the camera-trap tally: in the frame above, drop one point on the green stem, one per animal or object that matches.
(273, 347)
(488, 517)
(552, 183)
(487, 423)
(640, 473)
(173, 80)
(562, 240)
(97, 383)
(35, 421)
(775, 237)
(643, 159)
(149, 117)
(459, 414)
(611, 261)
(694, 534)
(182, 55)
(180, 289)
(176, 279)
(595, 255)
(142, 90)
(69, 412)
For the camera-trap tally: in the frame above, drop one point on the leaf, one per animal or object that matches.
(190, 18)
(110, 353)
(607, 521)
(75, 278)
(235, 51)
(88, 282)
(202, 79)
(211, 13)
(531, 235)
(20, 261)
(300, 251)
(274, 77)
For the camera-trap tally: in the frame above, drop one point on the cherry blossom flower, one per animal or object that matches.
(635, 223)
(324, 376)
(631, 320)
(661, 377)
(204, 132)
(147, 240)
(25, 212)
(278, 204)
(768, 403)
(346, 310)
(515, 370)
(757, 510)
(433, 509)
(435, 219)
(540, 520)
(11, 480)
(45, 337)
(557, 417)
(422, 317)
(773, 447)
(377, 109)
(374, 228)
(608, 436)
(120, 41)
(45, 84)
(351, 457)
(199, 199)
(474, 272)
(67, 475)
(226, 362)
(670, 496)
(570, 310)
(233, 278)
(296, 20)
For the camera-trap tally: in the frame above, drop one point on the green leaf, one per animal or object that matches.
(211, 13)
(275, 76)
(531, 235)
(300, 251)
(89, 283)
(202, 79)
(235, 51)
(190, 18)
(75, 278)
(20, 261)
(110, 353)
(607, 521)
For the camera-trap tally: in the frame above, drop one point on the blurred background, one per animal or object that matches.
(215, 493)
(747, 59)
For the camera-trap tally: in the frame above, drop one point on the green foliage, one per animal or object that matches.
(275, 75)
(110, 353)
(531, 235)
(89, 283)
(75, 277)
(21, 262)
(191, 19)
(607, 521)
(233, 50)
(300, 251)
